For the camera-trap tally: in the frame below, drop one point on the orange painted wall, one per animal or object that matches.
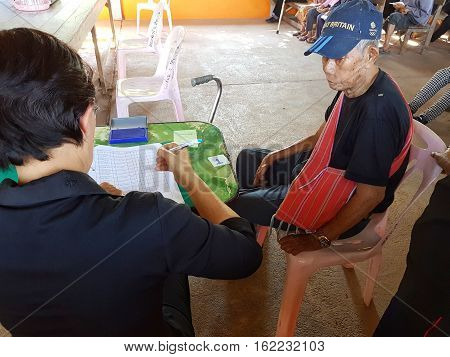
(203, 9)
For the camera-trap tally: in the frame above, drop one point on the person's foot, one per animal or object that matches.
(303, 38)
(272, 19)
(311, 39)
(296, 34)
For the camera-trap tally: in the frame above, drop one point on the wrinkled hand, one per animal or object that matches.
(297, 243)
(176, 162)
(112, 190)
(443, 160)
(260, 176)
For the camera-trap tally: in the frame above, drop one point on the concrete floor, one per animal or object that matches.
(273, 96)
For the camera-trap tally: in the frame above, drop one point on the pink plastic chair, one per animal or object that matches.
(162, 86)
(149, 44)
(151, 5)
(366, 245)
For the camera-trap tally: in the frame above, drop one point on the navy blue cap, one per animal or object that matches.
(346, 25)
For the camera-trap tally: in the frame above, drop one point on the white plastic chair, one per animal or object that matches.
(149, 44)
(151, 5)
(365, 245)
(162, 86)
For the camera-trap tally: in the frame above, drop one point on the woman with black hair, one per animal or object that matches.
(76, 260)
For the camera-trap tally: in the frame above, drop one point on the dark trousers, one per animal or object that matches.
(279, 5)
(415, 311)
(445, 26)
(259, 204)
(311, 18)
(422, 303)
(177, 305)
(319, 26)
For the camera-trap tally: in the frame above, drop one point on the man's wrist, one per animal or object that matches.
(324, 241)
(327, 233)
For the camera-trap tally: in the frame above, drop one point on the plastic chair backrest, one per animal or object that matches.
(420, 159)
(165, 3)
(168, 62)
(155, 27)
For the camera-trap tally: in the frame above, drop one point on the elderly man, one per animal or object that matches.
(408, 13)
(373, 133)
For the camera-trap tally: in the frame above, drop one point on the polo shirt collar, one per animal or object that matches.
(64, 184)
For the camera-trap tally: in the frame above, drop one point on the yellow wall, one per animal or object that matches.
(203, 9)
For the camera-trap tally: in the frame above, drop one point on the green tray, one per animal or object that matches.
(221, 180)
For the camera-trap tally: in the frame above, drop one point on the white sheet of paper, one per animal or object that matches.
(184, 136)
(133, 169)
(219, 160)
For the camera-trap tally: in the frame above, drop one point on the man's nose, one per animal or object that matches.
(329, 66)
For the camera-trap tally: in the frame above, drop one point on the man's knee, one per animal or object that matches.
(247, 156)
(397, 19)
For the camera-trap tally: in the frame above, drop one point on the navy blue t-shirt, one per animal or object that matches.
(371, 132)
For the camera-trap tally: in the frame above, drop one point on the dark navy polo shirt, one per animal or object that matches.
(76, 261)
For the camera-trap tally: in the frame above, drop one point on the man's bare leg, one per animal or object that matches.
(389, 32)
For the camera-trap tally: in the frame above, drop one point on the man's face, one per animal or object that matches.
(345, 73)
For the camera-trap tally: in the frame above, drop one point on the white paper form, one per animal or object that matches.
(133, 169)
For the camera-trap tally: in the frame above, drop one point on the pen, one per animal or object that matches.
(185, 145)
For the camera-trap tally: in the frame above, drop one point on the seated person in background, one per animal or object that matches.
(372, 133)
(323, 17)
(408, 13)
(311, 18)
(302, 15)
(445, 25)
(439, 80)
(277, 9)
(421, 306)
(76, 260)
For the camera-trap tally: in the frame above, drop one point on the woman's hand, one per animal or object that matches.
(177, 162)
(297, 243)
(112, 190)
(260, 176)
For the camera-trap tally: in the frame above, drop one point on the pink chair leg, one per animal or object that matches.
(122, 107)
(261, 234)
(372, 274)
(178, 106)
(297, 276)
(121, 65)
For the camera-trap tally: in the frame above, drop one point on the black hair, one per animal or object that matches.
(45, 88)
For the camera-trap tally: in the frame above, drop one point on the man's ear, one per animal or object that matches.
(85, 119)
(373, 53)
